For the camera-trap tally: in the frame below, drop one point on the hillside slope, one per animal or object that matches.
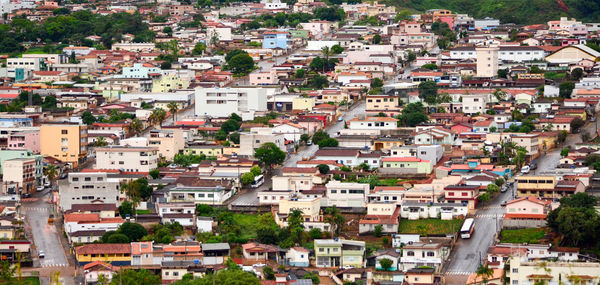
(512, 11)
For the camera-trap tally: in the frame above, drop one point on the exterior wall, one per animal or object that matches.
(21, 171)
(221, 102)
(64, 142)
(522, 271)
(487, 62)
(257, 137)
(84, 187)
(169, 142)
(132, 159)
(27, 140)
(346, 194)
(520, 224)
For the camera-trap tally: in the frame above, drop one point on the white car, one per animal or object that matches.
(347, 267)
(41, 254)
(525, 169)
(40, 188)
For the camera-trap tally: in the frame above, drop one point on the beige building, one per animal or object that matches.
(127, 158)
(311, 212)
(249, 141)
(169, 142)
(523, 272)
(487, 61)
(20, 171)
(388, 105)
(64, 141)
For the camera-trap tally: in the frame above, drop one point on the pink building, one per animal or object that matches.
(264, 78)
(24, 140)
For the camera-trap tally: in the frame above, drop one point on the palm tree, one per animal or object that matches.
(101, 141)
(136, 127)
(173, 108)
(157, 116)
(485, 272)
(326, 54)
(51, 172)
(335, 219)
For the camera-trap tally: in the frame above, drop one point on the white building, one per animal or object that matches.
(222, 102)
(85, 187)
(127, 158)
(373, 123)
(346, 195)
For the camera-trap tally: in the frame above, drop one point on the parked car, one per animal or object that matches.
(26, 195)
(503, 204)
(525, 169)
(40, 188)
(503, 189)
(309, 142)
(533, 166)
(41, 254)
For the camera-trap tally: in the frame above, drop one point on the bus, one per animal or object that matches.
(467, 228)
(258, 180)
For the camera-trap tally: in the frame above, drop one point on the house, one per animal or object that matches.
(484, 126)
(93, 270)
(275, 39)
(127, 158)
(391, 254)
(465, 194)
(435, 135)
(383, 214)
(572, 54)
(547, 187)
(114, 253)
(526, 212)
(290, 131)
(201, 191)
(405, 165)
(88, 188)
(373, 123)
(551, 272)
(389, 105)
(22, 172)
(414, 210)
(297, 257)
(64, 141)
(221, 102)
(215, 253)
(418, 275)
(257, 252)
(168, 141)
(346, 195)
(339, 253)
(311, 212)
(416, 254)
(256, 137)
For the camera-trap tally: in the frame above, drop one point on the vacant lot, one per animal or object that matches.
(429, 226)
(522, 235)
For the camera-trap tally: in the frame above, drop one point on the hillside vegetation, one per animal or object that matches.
(511, 11)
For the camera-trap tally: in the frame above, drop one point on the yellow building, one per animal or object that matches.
(66, 142)
(303, 103)
(169, 83)
(115, 253)
(206, 149)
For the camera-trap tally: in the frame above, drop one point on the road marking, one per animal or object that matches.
(35, 209)
(459, 273)
(55, 265)
(490, 216)
(490, 208)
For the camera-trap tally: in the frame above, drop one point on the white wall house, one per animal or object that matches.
(221, 102)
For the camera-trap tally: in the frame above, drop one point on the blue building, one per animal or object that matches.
(277, 39)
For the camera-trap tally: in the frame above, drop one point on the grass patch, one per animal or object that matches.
(26, 281)
(554, 75)
(429, 226)
(533, 235)
(143, 212)
(248, 224)
(35, 50)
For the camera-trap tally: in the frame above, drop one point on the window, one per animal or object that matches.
(64, 132)
(515, 270)
(410, 253)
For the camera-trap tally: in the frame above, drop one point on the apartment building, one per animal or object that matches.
(66, 142)
(346, 195)
(487, 62)
(87, 187)
(388, 105)
(249, 141)
(311, 212)
(524, 272)
(12, 154)
(24, 140)
(221, 102)
(168, 142)
(339, 252)
(127, 158)
(21, 171)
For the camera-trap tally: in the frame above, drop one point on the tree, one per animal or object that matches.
(386, 264)
(316, 64)
(51, 172)
(165, 65)
(304, 138)
(157, 116)
(499, 181)
(256, 170)
(428, 91)
(329, 14)
(565, 151)
(484, 197)
(135, 277)
(133, 231)
(100, 142)
(269, 273)
(319, 82)
(329, 142)
(337, 49)
(87, 118)
(484, 272)
(376, 83)
(247, 178)
(315, 233)
(199, 48)
(117, 238)
(562, 136)
(430, 66)
(269, 154)
(319, 135)
(502, 73)
(335, 218)
(378, 230)
(204, 210)
(102, 279)
(154, 173)
(173, 108)
(492, 188)
(565, 89)
(376, 39)
(234, 137)
(326, 52)
(323, 168)
(576, 74)
(240, 64)
(7, 271)
(136, 126)
(137, 190)
(126, 208)
(300, 73)
(412, 115)
(576, 124)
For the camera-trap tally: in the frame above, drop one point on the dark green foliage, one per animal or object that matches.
(330, 14)
(135, 277)
(565, 89)
(319, 136)
(329, 142)
(323, 168)
(428, 91)
(576, 220)
(412, 115)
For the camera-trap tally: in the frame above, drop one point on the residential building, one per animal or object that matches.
(346, 195)
(339, 253)
(127, 158)
(88, 187)
(413, 210)
(297, 257)
(311, 212)
(465, 194)
(168, 141)
(384, 214)
(114, 253)
(405, 165)
(250, 141)
(526, 212)
(523, 271)
(373, 123)
(222, 102)
(487, 61)
(276, 39)
(65, 142)
(21, 171)
(389, 105)
(424, 254)
(210, 192)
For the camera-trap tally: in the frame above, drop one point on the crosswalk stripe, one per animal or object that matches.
(492, 216)
(459, 273)
(55, 265)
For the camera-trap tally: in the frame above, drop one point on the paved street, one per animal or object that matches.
(549, 161)
(250, 198)
(45, 236)
(469, 253)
